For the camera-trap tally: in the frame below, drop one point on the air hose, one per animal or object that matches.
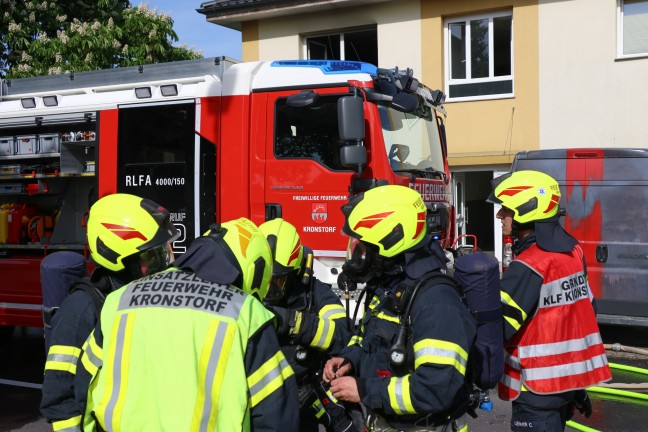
(616, 389)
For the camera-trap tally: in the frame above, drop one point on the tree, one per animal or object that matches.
(51, 37)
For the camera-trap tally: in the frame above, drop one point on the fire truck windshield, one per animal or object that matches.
(412, 141)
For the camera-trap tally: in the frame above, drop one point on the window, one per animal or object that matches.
(309, 132)
(357, 45)
(632, 39)
(479, 56)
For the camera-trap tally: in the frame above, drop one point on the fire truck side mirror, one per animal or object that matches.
(351, 119)
(353, 156)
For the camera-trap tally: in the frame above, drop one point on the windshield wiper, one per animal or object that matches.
(426, 173)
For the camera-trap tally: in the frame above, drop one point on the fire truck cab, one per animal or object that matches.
(211, 140)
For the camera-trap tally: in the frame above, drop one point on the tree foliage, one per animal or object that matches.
(50, 37)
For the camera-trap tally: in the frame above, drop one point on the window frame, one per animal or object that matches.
(620, 40)
(491, 78)
(336, 32)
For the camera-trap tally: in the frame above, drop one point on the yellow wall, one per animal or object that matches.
(492, 131)
(250, 39)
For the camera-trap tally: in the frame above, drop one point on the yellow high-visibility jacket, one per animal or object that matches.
(178, 353)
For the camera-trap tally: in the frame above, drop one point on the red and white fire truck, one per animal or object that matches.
(211, 140)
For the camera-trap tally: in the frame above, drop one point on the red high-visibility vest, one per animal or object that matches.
(560, 347)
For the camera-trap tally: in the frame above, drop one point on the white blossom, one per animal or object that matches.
(55, 70)
(25, 57)
(96, 25)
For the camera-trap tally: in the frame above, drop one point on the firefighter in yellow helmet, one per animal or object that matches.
(407, 363)
(547, 303)
(129, 237)
(311, 324)
(192, 348)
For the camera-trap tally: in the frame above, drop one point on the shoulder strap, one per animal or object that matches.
(434, 278)
(96, 295)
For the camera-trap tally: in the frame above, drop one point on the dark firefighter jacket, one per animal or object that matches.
(442, 332)
(321, 326)
(71, 326)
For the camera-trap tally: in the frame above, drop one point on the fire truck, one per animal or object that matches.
(211, 140)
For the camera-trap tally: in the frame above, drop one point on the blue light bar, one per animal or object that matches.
(329, 67)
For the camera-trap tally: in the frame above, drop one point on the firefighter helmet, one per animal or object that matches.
(250, 252)
(531, 195)
(391, 217)
(128, 232)
(287, 252)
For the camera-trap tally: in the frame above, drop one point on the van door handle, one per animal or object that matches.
(601, 253)
(272, 211)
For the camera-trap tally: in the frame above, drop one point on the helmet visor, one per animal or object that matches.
(156, 259)
(277, 289)
(357, 255)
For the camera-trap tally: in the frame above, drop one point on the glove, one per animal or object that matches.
(283, 317)
(582, 403)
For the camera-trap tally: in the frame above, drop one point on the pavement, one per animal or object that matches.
(19, 405)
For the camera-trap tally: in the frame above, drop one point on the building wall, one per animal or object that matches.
(588, 98)
(488, 132)
(398, 27)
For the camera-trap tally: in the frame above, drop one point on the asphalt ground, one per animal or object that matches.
(22, 359)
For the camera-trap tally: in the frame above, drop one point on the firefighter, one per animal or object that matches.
(553, 345)
(407, 363)
(192, 348)
(129, 237)
(312, 324)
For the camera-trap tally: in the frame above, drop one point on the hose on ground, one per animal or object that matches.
(619, 347)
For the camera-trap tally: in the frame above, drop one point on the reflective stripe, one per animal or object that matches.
(62, 358)
(513, 322)
(294, 330)
(326, 325)
(332, 312)
(440, 352)
(70, 425)
(92, 355)
(569, 369)
(512, 361)
(330, 396)
(268, 378)
(355, 340)
(119, 378)
(399, 395)
(384, 316)
(212, 364)
(510, 382)
(573, 345)
(509, 301)
(318, 407)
